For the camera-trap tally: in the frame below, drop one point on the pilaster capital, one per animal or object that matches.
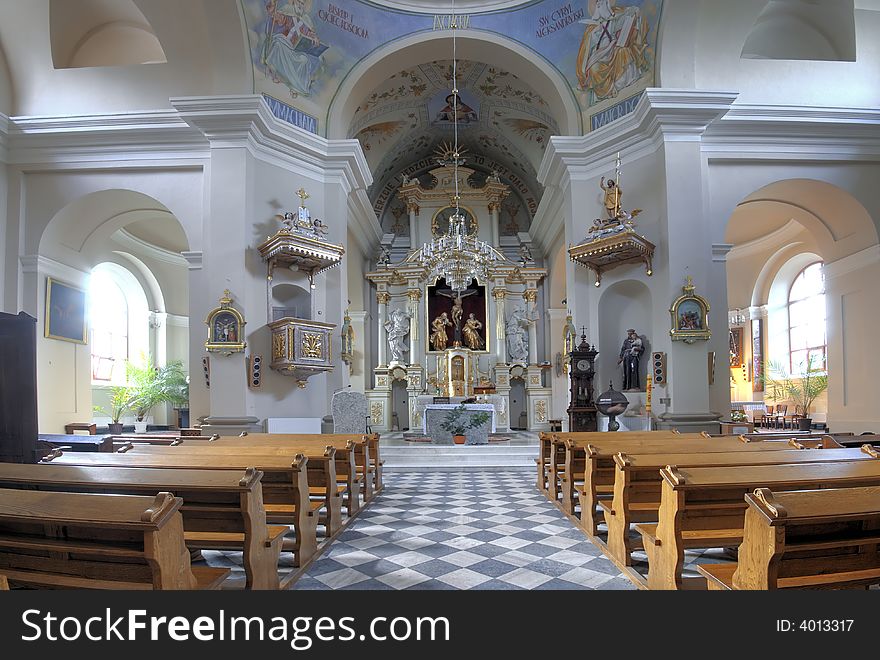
(499, 293)
(383, 297)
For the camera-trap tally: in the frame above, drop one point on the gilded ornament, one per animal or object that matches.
(312, 345)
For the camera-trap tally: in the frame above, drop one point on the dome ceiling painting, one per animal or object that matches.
(596, 55)
(503, 126)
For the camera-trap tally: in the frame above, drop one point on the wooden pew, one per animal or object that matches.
(351, 450)
(855, 440)
(367, 458)
(821, 539)
(222, 509)
(96, 541)
(599, 463)
(566, 456)
(77, 442)
(703, 507)
(636, 497)
(320, 473)
(285, 488)
(4, 583)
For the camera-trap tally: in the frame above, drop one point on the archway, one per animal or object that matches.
(776, 231)
(136, 241)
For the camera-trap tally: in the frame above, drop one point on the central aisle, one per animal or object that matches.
(462, 530)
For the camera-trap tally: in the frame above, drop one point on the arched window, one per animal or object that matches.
(119, 321)
(806, 319)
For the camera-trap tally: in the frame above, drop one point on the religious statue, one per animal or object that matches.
(398, 328)
(438, 337)
(457, 310)
(471, 333)
(525, 255)
(613, 194)
(517, 333)
(384, 257)
(630, 352)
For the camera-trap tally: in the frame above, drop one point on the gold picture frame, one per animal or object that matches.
(225, 328)
(690, 316)
(65, 312)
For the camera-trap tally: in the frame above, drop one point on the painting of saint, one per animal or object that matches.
(292, 52)
(612, 53)
(443, 107)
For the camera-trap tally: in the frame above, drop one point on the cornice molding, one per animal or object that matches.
(136, 135)
(862, 259)
(246, 121)
(129, 240)
(662, 115)
(720, 252)
(817, 131)
(193, 259)
(37, 263)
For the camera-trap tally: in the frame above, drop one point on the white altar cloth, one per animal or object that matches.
(488, 407)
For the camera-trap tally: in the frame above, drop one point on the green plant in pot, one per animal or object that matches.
(802, 388)
(150, 386)
(117, 407)
(460, 420)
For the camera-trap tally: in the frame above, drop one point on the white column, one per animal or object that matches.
(413, 214)
(499, 292)
(494, 208)
(531, 296)
(383, 298)
(414, 296)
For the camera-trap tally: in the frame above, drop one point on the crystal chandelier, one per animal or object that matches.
(457, 256)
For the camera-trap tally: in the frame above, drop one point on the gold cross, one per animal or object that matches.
(303, 195)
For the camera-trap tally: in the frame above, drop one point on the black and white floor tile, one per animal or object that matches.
(462, 530)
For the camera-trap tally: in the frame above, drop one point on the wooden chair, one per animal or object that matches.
(768, 419)
(780, 416)
(822, 539)
(96, 541)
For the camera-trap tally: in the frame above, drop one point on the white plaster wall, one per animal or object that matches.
(203, 42)
(701, 42)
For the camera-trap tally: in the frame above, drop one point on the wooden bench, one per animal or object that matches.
(4, 583)
(77, 442)
(568, 459)
(703, 507)
(855, 440)
(96, 541)
(320, 473)
(820, 539)
(372, 467)
(636, 497)
(222, 509)
(598, 480)
(285, 488)
(366, 464)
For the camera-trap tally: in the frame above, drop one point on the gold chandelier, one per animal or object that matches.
(456, 256)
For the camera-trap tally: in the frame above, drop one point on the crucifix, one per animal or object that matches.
(457, 309)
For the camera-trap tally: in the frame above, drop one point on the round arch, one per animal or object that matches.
(476, 45)
(625, 304)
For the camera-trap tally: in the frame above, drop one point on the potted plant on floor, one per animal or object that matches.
(802, 388)
(118, 406)
(458, 422)
(149, 386)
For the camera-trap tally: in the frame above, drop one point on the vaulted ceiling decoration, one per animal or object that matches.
(503, 123)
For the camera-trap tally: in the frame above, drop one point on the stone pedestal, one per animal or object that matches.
(502, 390)
(350, 412)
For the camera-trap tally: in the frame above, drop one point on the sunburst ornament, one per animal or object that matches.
(450, 155)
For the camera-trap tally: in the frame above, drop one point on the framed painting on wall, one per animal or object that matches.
(736, 347)
(65, 312)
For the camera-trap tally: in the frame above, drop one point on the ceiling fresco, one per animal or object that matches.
(302, 50)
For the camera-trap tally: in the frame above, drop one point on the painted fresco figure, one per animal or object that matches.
(612, 54)
(293, 49)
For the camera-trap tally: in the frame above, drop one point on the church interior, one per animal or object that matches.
(439, 295)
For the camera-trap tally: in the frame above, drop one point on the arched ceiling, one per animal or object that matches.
(504, 124)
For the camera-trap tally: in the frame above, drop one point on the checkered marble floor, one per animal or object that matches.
(461, 530)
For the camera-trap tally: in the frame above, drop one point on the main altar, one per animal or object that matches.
(477, 342)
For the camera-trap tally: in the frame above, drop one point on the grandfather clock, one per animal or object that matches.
(581, 407)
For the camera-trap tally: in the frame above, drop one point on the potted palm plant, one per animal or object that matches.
(149, 386)
(117, 407)
(802, 388)
(457, 422)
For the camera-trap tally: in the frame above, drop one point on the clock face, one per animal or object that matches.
(583, 365)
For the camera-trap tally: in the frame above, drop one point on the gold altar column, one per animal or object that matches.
(531, 297)
(494, 221)
(499, 292)
(414, 296)
(383, 298)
